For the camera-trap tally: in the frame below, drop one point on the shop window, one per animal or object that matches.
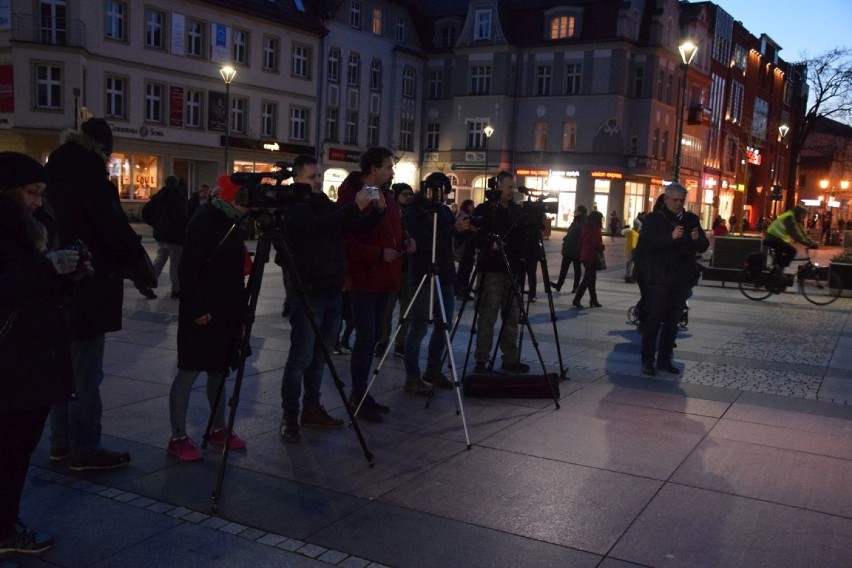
(135, 175)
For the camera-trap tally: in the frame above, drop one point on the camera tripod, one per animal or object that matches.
(440, 326)
(269, 234)
(516, 295)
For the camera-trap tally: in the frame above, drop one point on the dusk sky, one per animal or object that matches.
(811, 27)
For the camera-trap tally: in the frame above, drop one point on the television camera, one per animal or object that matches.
(265, 190)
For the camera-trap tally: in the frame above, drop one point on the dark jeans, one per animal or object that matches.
(532, 279)
(403, 298)
(664, 305)
(783, 252)
(419, 322)
(568, 262)
(590, 278)
(305, 362)
(21, 432)
(368, 312)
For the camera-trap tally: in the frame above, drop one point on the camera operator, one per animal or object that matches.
(499, 216)
(669, 241)
(315, 234)
(534, 219)
(417, 219)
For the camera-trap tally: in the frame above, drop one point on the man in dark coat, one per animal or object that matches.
(571, 250)
(669, 241)
(172, 217)
(87, 207)
(315, 235)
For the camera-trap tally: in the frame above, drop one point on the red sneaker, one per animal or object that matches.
(217, 438)
(184, 449)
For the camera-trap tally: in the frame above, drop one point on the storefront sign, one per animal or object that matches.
(753, 155)
(7, 89)
(607, 175)
(656, 181)
(570, 174)
(175, 105)
(273, 147)
(344, 155)
(216, 111)
(535, 173)
(143, 131)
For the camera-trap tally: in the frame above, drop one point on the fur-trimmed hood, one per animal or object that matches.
(71, 136)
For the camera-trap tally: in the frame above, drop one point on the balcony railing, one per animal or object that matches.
(59, 31)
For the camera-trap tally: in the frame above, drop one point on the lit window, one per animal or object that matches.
(562, 27)
(377, 21)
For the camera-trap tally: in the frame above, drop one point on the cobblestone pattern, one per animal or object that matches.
(784, 383)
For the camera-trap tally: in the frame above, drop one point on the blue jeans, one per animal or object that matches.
(305, 361)
(179, 400)
(164, 251)
(77, 424)
(419, 317)
(368, 312)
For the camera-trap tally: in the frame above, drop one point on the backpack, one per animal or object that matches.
(151, 211)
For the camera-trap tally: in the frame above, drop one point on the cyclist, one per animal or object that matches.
(786, 229)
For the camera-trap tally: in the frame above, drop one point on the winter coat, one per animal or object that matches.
(366, 271)
(172, 215)
(87, 207)
(211, 282)
(591, 241)
(417, 220)
(571, 241)
(35, 348)
(506, 223)
(315, 238)
(665, 260)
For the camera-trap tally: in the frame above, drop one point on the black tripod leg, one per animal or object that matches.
(545, 274)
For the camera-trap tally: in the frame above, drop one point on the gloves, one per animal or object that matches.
(64, 261)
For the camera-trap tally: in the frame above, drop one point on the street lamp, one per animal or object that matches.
(488, 131)
(228, 73)
(687, 53)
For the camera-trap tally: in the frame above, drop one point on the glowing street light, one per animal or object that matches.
(687, 52)
(228, 73)
(488, 131)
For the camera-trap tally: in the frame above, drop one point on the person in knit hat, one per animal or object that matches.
(87, 207)
(212, 273)
(34, 344)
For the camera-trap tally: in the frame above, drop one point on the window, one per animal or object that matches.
(406, 130)
(54, 21)
(115, 89)
(238, 114)
(573, 75)
(664, 153)
(153, 102)
(377, 21)
(333, 65)
(373, 130)
(192, 114)
(270, 53)
(661, 77)
(376, 75)
(241, 41)
(409, 82)
(331, 119)
(436, 84)
(298, 123)
(540, 137)
(544, 76)
(301, 64)
(433, 135)
(268, 119)
(480, 79)
(115, 19)
(351, 128)
(788, 93)
(48, 86)
(354, 69)
(448, 36)
(739, 58)
(562, 27)
(655, 144)
(400, 29)
(482, 25)
(634, 142)
(760, 118)
(475, 135)
(355, 14)
(155, 29)
(735, 108)
(669, 80)
(638, 81)
(569, 136)
(194, 38)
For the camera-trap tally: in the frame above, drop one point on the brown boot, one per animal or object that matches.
(289, 428)
(315, 416)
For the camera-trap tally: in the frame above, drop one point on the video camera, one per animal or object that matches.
(493, 191)
(256, 193)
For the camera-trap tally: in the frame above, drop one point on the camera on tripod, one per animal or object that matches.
(258, 193)
(493, 191)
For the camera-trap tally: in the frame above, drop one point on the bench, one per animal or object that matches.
(729, 253)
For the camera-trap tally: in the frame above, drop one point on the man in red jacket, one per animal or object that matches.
(373, 271)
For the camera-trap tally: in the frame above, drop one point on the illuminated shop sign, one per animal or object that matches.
(536, 173)
(570, 174)
(607, 175)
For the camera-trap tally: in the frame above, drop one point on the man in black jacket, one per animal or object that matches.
(669, 241)
(172, 218)
(314, 232)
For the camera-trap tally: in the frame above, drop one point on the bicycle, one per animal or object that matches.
(762, 276)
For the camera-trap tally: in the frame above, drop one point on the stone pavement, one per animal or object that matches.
(743, 460)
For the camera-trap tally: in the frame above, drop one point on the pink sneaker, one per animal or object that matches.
(217, 438)
(184, 449)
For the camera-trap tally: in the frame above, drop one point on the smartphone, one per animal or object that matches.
(374, 191)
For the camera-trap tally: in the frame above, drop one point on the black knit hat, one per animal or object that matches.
(18, 170)
(99, 130)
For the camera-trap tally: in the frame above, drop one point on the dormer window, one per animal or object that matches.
(482, 27)
(562, 27)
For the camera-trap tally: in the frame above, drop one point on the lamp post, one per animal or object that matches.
(777, 188)
(76, 92)
(687, 52)
(488, 131)
(228, 73)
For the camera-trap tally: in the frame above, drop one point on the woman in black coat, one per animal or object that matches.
(571, 250)
(34, 345)
(212, 305)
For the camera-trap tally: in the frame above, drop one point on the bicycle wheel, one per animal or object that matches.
(820, 290)
(754, 286)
